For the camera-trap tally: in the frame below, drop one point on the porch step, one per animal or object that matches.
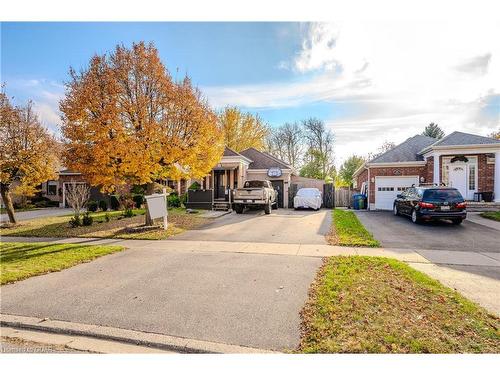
(221, 206)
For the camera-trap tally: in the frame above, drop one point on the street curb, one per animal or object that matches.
(155, 340)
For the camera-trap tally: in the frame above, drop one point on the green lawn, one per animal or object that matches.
(117, 227)
(22, 260)
(347, 230)
(492, 215)
(379, 305)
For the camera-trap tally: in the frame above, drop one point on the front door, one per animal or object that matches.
(458, 178)
(219, 188)
(278, 186)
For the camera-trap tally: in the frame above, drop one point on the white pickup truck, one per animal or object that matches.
(255, 193)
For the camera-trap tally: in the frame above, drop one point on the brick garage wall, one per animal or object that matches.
(362, 177)
(396, 172)
(430, 170)
(486, 174)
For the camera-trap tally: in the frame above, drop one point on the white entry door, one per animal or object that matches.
(387, 188)
(458, 178)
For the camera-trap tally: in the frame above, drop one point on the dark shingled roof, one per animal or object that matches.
(262, 160)
(462, 139)
(229, 152)
(406, 151)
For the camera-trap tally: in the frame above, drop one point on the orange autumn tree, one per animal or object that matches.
(126, 122)
(243, 130)
(28, 152)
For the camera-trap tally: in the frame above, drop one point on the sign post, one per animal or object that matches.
(157, 206)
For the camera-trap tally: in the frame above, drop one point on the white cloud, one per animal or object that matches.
(399, 75)
(46, 96)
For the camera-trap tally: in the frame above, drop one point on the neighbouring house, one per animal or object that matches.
(216, 188)
(251, 164)
(468, 162)
(55, 190)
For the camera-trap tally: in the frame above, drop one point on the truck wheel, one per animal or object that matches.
(238, 208)
(267, 208)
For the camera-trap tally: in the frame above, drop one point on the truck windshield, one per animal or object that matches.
(254, 184)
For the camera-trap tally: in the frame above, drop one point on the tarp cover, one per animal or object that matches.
(307, 198)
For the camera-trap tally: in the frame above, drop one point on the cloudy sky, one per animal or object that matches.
(369, 81)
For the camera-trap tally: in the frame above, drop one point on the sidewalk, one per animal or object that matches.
(475, 217)
(476, 275)
(317, 250)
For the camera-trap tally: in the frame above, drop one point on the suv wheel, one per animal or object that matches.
(395, 210)
(267, 208)
(414, 217)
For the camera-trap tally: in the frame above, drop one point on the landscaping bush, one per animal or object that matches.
(128, 212)
(173, 200)
(87, 219)
(24, 205)
(75, 221)
(114, 202)
(103, 205)
(138, 189)
(183, 198)
(138, 200)
(92, 206)
(128, 204)
(194, 186)
(40, 204)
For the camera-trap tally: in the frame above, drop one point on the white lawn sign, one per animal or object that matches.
(157, 206)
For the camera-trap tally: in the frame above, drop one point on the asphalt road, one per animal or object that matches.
(35, 214)
(399, 232)
(244, 299)
(281, 226)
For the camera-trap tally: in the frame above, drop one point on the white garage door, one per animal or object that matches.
(386, 189)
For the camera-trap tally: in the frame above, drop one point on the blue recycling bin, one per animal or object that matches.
(358, 201)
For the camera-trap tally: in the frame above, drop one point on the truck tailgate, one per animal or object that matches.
(249, 193)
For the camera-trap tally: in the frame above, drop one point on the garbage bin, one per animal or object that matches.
(358, 201)
(487, 196)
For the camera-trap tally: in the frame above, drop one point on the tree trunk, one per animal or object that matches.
(7, 200)
(149, 190)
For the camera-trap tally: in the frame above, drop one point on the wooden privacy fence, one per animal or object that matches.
(343, 197)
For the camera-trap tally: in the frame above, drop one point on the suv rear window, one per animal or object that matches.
(442, 195)
(255, 184)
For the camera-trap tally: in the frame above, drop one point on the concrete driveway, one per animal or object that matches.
(399, 232)
(243, 299)
(35, 214)
(281, 226)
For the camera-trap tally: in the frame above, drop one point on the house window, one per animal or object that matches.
(51, 188)
(472, 177)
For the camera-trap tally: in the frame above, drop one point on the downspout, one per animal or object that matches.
(368, 192)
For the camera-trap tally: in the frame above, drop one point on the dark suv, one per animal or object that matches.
(431, 203)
